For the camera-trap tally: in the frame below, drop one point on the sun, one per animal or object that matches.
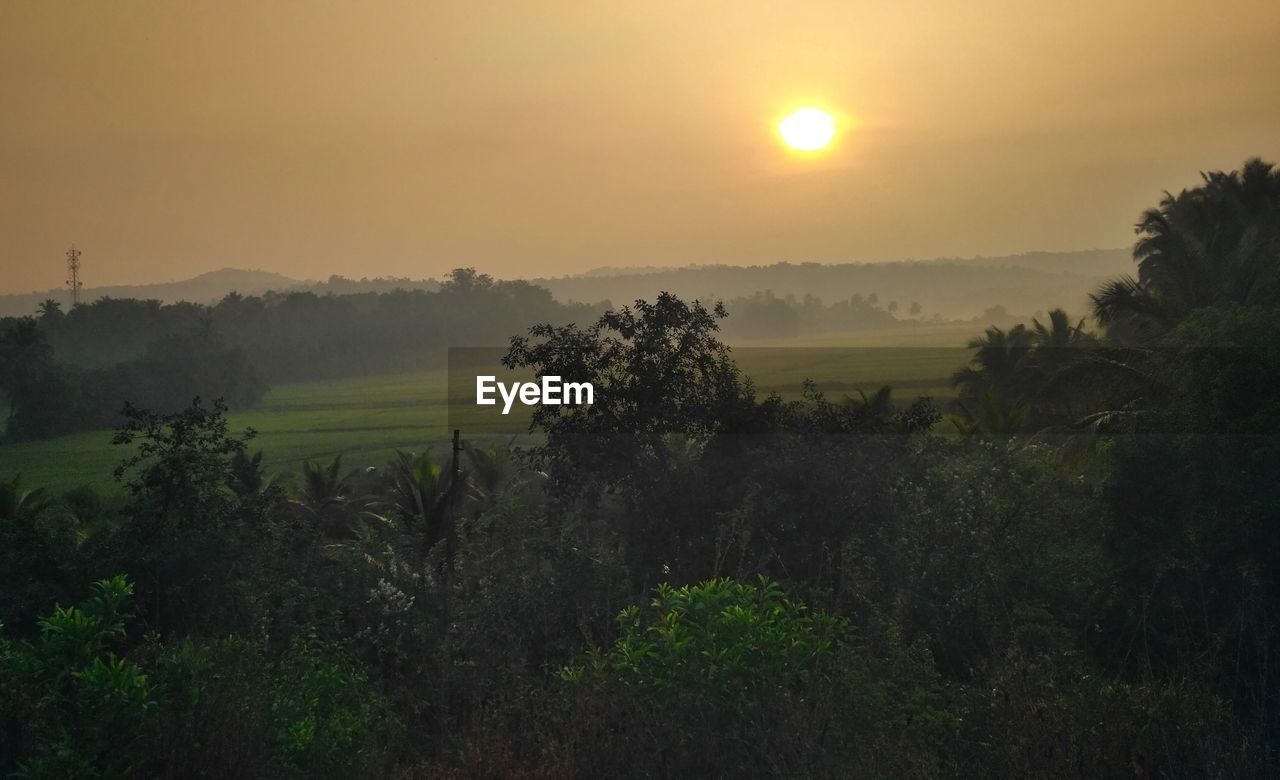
(807, 129)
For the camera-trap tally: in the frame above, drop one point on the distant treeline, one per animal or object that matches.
(66, 371)
(950, 288)
(766, 315)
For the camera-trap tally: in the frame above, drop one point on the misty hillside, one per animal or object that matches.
(952, 288)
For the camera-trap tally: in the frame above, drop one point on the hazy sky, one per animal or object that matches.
(539, 138)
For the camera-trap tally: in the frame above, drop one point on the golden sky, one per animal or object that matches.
(549, 137)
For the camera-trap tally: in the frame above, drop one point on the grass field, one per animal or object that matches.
(368, 418)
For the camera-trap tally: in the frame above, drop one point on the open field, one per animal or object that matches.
(368, 418)
(365, 418)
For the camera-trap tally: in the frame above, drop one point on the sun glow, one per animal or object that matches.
(807, 129)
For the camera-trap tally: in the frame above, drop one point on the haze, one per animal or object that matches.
(168, 139)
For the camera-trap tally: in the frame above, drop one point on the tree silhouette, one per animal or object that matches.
(50, 311)
(1010, 380)
(1216, 244)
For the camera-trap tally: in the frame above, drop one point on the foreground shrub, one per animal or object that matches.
(233, 711)
(70, 706)
(725, 678)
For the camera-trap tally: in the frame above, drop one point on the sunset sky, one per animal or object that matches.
(542, 138)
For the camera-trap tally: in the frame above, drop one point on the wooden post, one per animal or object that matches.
(457, 451)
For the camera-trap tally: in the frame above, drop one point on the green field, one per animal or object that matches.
(368, 418)
(365, 418)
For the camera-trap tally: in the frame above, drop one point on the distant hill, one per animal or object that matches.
(953, 288)
(205, 288)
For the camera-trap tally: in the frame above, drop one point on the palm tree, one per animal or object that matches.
(49, 310)
(1216, 244)
(1011, 379)
(989, 416)
(422, 494)
(490, 470)
(246, 475)
(326, 495)
(22, 505)
(998, 363)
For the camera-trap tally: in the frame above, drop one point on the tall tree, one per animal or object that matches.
(657, 369)
(39, 395)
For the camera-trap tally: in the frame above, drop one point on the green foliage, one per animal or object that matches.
(34, 552)
(320, 712)
(423, 495)
(183, 521)
(725, 677)
(720, 644)
(78, 707)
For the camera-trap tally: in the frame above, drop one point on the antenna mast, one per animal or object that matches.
(73, 274)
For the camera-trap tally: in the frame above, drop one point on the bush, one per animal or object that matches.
(74, 708)
(725, 678)
(233, 712)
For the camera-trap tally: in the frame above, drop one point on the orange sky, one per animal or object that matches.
(539, 138)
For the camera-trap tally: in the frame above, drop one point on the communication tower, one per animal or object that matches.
(73, 274)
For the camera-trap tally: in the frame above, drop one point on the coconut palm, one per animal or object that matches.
(50, 311)
(423, 495)
(19, 504)
(998, 363)
(326, 497)
(985, 415)
(1215, 244)
(1011, 379)
(246, 475)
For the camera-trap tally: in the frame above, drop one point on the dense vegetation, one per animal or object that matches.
(689, 580)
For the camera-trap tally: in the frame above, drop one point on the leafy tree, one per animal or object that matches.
(35, 553)
(657, 369)
(184, 521)
(41, 396)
